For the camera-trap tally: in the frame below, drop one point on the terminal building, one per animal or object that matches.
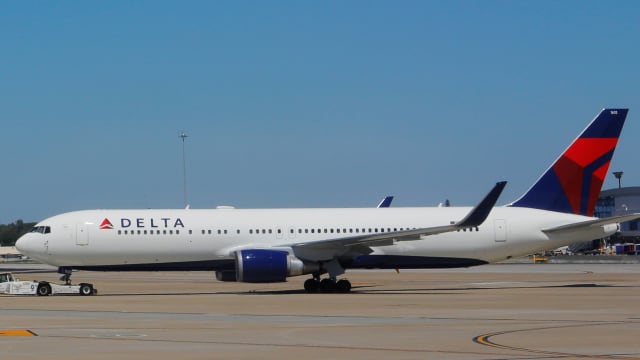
(621, 201)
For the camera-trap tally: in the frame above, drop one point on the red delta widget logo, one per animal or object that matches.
(106, 224)
(144, 223)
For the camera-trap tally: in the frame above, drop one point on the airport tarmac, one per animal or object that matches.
(515, 311)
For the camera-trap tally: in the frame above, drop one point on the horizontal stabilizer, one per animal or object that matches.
(592, 223)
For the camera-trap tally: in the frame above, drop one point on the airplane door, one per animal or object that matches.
(500, 230)
(82, 235)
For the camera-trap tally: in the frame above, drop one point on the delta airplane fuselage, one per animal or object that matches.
(194, 239)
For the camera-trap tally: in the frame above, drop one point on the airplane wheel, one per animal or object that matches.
(86, 289)
(311, 285)
(44, 290)
(343, 286)
(327, 285)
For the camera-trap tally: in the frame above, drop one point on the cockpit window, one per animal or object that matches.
(41, 229)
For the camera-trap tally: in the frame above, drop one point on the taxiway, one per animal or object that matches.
(520, 311)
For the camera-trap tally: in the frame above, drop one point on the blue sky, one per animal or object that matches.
(302, 103)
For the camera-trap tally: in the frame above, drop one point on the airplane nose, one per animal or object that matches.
(26, 244)
(21, 244)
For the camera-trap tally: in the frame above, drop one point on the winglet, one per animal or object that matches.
(479, 213)
(386, 202)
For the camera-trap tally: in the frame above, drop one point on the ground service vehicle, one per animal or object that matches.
(12, 286)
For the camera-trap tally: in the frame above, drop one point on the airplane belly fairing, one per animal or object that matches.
(408, 262)
(204, 265)
(359, 262)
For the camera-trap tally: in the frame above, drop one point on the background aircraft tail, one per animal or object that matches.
(573, 182)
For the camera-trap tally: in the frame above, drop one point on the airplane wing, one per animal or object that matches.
(474, 218)
(591, 223)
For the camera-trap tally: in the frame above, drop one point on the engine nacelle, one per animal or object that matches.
(226, 275)
(269, 265)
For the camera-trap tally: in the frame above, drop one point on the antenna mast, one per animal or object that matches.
(184, 167)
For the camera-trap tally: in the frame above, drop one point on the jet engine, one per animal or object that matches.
(268, 265)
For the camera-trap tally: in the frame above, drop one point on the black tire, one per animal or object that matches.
(86, 289)
(311, 285)
(343, 286)
(327, 285)
(44, 289)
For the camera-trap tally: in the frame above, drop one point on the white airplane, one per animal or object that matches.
(269, 245)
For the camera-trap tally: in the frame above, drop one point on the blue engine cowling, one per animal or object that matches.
(269, 265)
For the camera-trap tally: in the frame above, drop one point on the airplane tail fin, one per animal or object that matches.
(573, 182)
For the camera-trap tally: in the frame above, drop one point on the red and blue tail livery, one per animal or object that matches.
(572, 184)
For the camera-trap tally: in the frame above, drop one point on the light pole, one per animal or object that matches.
(184, 167)
(618, 175)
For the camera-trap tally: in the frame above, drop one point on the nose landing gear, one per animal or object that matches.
(66, 277)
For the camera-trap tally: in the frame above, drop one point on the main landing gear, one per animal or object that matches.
(330, 284)
(327, 285)
(66, 277)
